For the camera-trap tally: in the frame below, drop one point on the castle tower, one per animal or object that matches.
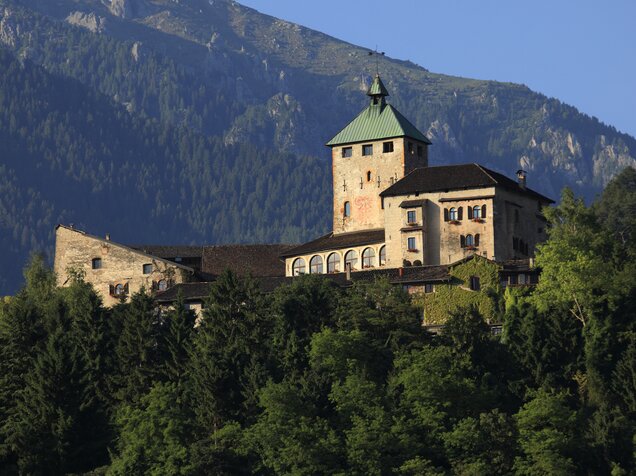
(375, 150)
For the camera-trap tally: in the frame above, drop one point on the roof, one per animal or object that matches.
(455, 177)
(412, 274)
(377, 121)
(170, 251)
(377, 87)
(333, 241)
(255, 260)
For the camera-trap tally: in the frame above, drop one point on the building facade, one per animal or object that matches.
(391, 210)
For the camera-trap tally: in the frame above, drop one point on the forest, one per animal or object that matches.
(209, 127)
(313, 379)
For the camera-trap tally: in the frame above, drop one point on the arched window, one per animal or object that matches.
(119, 289)
(469, 240)
(476, 211)
(452, 214)
(368, 258)
(417, 262)
(347, 209)
(96, 263)
(383, 256)
(351, 259)
(162, 285)
(406, 263)
(298, 267)
(333, 263)
(483, 211)
(369, 176)
(315, 265)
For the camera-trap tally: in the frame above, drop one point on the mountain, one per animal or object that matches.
(172, 112)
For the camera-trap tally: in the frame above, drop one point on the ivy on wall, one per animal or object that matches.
(438, 305)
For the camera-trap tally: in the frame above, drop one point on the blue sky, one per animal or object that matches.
(582, 52)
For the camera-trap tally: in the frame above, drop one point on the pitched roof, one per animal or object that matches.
(333, 241)
(256, 260)
(455, 177)
(376, 122)
(377, 87)
(171, 251)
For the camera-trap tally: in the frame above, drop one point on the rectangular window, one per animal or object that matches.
(409, 146)
(420, 151)
(410, 217)
(347, 152)
(367, 149)
(429, 288)
(411, 244)
(147, 268)
(387, 147)
(474, 283)
(97, 263)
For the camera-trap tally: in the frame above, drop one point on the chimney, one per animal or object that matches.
(521, 177)
(107, 236)
(348, 271)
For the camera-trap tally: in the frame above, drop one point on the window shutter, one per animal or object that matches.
(470, 213)
(483, 211)
(126, 288)
(111, 290)
(445, 214)
(462, 241)
(155, 286)
(477, 239)
(460, 213)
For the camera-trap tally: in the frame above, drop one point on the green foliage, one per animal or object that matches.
(547, 436)
(457, 294)
(153, 436)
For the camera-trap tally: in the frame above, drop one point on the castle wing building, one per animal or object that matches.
(390, 209)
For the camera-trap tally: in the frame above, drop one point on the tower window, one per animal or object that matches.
(476, 211)
(411, 244)
(147, 268)
(96, 263)
(367, 149)
(347, 209)
(452, 214)
(347, 152)
(387, 147)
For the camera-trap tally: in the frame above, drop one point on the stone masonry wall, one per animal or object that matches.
(75, 250)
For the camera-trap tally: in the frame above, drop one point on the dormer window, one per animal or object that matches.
(347, 152)
(367, 149)
(96, 263)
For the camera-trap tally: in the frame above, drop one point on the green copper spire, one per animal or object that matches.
(377, 88)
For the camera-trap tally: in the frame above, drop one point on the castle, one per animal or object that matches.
(393, 216)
